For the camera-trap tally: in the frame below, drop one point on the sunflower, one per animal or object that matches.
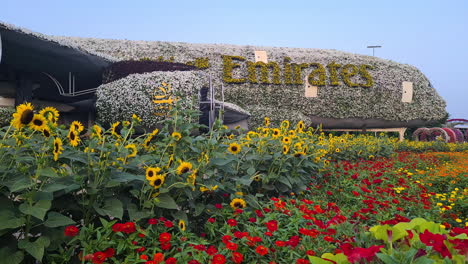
(150, 137)
(192, 178)
(276, 133)
(136, 118)
(300, 126)
(266, 122)
(97, 132)
(73, 137)
(38, 123)
(133, 149)
(234, 148)
(184, 167)
(158, 181)
(337, 150)
(46, 132)
(176, 135)
(115, 129)
(285, 124)
(171, 161)
(57, 148)
(50, 113)
(286, 140)
(77, 126)
(285, 149)
(182, 225)
(292, 133)
(299, 154)
(151, 173)
(238, 203)
(23, 116)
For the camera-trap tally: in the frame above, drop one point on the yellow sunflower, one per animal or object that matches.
(151, 173)
(176, 135)
(184, 167)
(171, 161)
(77, 126)
(292, 133)
(115, 128)
(50, 113)
(23, 116)
(234, 148)
(266, 122)
(46, 132)
(57, 148)
(192, 178)
(337, 150)
(133, 149)
(136, 118)
(150, 137)
(299, 154)
(286, 140)
(73, 137)
(300, 126)
(276, 133)
(158, 181)
(285, 149)
(97, 132)
(285, 124)
(182, 225)
(38, 123)
(238, 203)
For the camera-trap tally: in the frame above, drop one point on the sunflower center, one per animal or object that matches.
(157, 182)
(72, 136)
(27, 117)
(237, 204)
(150, 173)
(46, 133)
(56, 147)
(38, 122)
(184, 170)
(234, 148)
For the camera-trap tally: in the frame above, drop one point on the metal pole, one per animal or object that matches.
(0, 48)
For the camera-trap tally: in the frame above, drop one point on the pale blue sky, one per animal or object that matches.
(431, 35)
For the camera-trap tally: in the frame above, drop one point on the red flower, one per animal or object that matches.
(168, 224)
(110, 252)
(193, 262)
(166, 246)
(158, 258)
(152, 221)
(239, 234)
(211, 220)
(211, 250)
(218, 259)
(144, 257)
(272, 225)
(252, 219)
(219, 206)
(232, 222)
(328, 238)
(171, 261)
(141, 249)
(310, 252)
(302, 261)
(99, 257)
(237, 257)
(226, 238)
(280, 243)
(294, 241)
(329, 193)
(261, 250)
(436, 241)
(231, 246)
(71, 231)
(117, 227)
(128, 228)
(164, 237)
(356, 255)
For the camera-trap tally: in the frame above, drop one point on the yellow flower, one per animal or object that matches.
(114, 129)
(176, 135)
(299, 154)
(286, 140)
(266, 122)
(192, 178)
(234, 148)
(276, 133)
(182, 225)
(23, 116)
(57, 148)
(151, 173)
(204, 189)
(77, 126)
(285, 149)
(136, 118)
(133, 149)
(184, 167)
(158, 181)
(285, 124)
(97, 132)
(73, 137)
(300, 126)
(337, 150)
(38, 123)
(238, 203)
(46, 132)
(50, 113)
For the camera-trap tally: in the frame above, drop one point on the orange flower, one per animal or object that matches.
(158, 258)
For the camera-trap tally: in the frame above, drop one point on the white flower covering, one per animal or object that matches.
(382, 100)
(133, 94)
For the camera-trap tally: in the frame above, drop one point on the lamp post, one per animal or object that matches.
(373, 49)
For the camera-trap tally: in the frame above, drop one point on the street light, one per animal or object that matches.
(373, 48)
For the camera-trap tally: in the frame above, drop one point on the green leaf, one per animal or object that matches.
(251, 171)
(387, 259)
(47, 172)
(120, 176)
(220, 161)
(19, 185)
(55, 219)
(317, 260)
(36, 248)
(38, 210)
(8, 256)
(166, 201)
(54, 187)
(135, 214)
(112, 207)
(199, 208)
(8, 220)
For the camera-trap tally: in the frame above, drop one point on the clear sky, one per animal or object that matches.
(429, 34)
